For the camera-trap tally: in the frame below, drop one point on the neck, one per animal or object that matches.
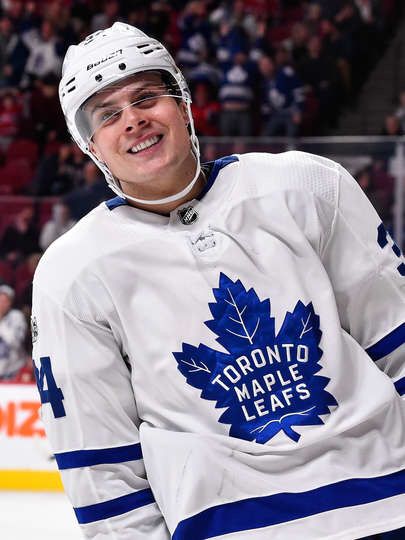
(165, 209)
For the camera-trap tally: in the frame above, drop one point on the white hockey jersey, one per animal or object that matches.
(13, 331)
(231, 371)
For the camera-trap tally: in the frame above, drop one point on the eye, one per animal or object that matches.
(147, 99)
(108, 117)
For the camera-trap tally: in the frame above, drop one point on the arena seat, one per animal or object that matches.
(23, 149)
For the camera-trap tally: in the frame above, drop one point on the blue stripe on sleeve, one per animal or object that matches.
(87, 458)
(400, 386)
(115, 507)
(261, 512)
(388, 343)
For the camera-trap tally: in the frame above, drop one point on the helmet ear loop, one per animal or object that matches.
(193, 137)
(111, 180)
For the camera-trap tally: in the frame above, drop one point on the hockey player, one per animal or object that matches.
(218, 349)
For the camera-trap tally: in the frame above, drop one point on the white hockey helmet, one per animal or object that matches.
(108, 56)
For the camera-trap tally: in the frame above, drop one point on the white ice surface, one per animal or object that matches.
(37, 516)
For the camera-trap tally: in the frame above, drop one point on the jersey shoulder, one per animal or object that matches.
(71, 253)
(266, 173)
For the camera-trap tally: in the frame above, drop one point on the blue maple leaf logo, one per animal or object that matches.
(267, 383)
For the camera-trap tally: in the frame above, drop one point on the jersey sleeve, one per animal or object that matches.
(367, 271)
(90, 416)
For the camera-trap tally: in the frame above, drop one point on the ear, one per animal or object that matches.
(184, 113)
(94, 150)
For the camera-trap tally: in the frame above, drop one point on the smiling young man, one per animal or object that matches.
(219, 348)
(147, 146)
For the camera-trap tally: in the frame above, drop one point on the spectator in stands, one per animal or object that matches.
(400, 112)
(378, 185)
(313, 17)
(347, 17)
(60, 223)
(93, 191)
(320, 75)
(260, 45)
(205, 71)
(45, 52)
(46, 116)
(196, 35)
(392, 126)
(24, 275)
(236, 95)
(159, 19)
(205, 110)
(20, 237)
(13, 54)
(363, 177)
(209, 152)
(13, 330)
(283, 97)
(298, 42)
(10, 119)
(22, 14)
(60, 172)
(109, 15)
(59, 14)
(241, 16)
(232, 40)
(338, 47)
(383, 184)
(370, 13)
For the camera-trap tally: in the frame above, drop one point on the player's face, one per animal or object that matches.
(144, 143)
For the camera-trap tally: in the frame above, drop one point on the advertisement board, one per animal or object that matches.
(26, 460)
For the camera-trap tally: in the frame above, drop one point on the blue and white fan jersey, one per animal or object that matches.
(234, 370)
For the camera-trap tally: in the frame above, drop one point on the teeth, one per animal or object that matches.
(144, 144)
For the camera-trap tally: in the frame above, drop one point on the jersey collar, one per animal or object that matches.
(213, 166)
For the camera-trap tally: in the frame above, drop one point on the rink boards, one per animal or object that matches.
(26, 460)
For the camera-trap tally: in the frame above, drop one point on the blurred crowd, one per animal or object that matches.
(394, 124)
(255, 67)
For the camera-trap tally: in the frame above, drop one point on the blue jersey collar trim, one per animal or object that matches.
(216, 165)
(115, 202)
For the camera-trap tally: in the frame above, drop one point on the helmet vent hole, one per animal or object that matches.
(122, 66)
(148, 48)
(91, 37)
(98, 78)
(70, 82)
(71, 89)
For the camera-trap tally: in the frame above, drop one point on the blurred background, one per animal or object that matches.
(323, 76)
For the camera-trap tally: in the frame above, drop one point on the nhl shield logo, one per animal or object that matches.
(187, 215)
(34, 329)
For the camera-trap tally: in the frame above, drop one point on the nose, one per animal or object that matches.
(133, 118)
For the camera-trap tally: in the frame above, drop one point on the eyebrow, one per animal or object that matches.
(103, 105)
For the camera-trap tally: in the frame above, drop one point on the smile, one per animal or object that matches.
(145, 144)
